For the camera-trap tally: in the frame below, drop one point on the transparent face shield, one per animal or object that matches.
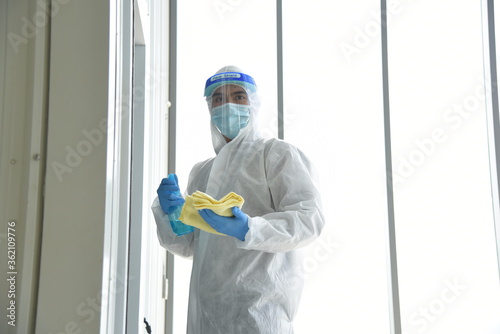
(231, 99)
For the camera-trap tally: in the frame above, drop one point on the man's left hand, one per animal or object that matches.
(236, 226)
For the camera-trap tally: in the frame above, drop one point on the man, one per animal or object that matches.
(249, 280)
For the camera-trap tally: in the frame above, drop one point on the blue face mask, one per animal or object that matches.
(230, 118)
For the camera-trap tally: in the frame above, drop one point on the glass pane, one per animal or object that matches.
(444, 219)
(334, 113)
(213, 34)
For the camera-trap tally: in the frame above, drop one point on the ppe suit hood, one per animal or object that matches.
(248, 133)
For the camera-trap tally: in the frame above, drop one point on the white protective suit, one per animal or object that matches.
(251, 286)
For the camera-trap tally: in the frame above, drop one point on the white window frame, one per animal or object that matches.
(134, 284)
(492, 111)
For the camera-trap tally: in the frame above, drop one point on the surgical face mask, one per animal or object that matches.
(230, 118)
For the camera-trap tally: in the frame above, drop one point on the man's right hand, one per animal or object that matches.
(169, 194)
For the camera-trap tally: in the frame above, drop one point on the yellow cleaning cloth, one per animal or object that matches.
(199, 200)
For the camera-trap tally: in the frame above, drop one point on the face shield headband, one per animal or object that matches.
(225, 78)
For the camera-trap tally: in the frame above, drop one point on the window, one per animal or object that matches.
(443, 207)
(334, 112)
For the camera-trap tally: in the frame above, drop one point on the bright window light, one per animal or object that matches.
(447, 266)
(448, 275)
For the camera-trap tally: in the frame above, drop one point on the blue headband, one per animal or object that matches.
(225, 78)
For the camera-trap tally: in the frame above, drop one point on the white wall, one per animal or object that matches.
(73, 222)
(23, 37)
(71, 251)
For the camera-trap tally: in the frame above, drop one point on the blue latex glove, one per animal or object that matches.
(236, 226)
(171, 202)
(169, 195)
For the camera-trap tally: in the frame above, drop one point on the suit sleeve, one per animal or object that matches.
(298, 219)
(179, 245)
